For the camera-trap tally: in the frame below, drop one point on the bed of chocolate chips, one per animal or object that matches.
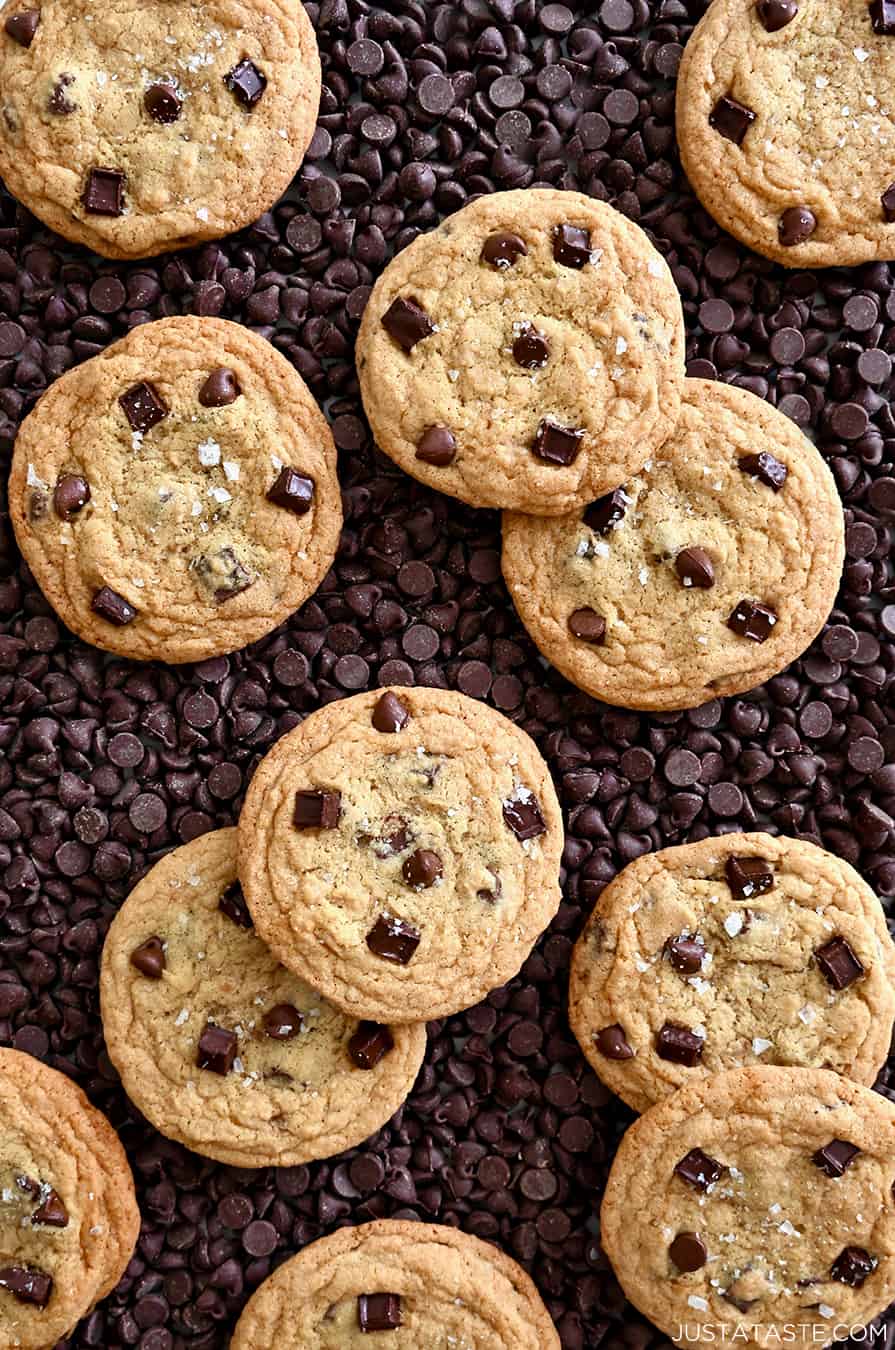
(106, 765)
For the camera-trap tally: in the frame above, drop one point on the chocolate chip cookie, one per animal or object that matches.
(757, 1203)
(219, 1045)
(134, 128)
(176, 497)
(432, 1285)
(400, 851)
(527, 354)
(786, 130)
(68, 1213)
(702, 575)
(745, 949)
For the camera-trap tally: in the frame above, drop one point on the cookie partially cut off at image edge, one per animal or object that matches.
(700, 577)
(431, 1285)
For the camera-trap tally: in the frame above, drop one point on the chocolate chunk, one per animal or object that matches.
(246, 83)
(606, 512)
(437, 446)
(766, 468)
(317, 810)
(688, 1252)
(222, 574)
(390, 715)
(887, 200)
(776, 14)
(27, 1284)
(23, 26)
(699, 1170)
(731, 119)
(685, 954)
(143, 407)
(233, 904)
(283, 1022)
(163, 102)
(217, 1049)
(393, 939)
(59, 102)
(835, 1157)
(379, 1312)
(220, 389)
(149, 958)
(37, 506)
(108, 604)
(370, 1044)
(695, 568)
(293, 491)
(51, 1213)
(422, 869)
(492, 895)
(679, 1045)
(752, 620)
(70, 495)
(749, 877)
(797, 224)
(838, 964)
(853, 1265)
(613, 1043)
(503, 250)
(522, 814)
(104, 192)
(531, 350)
(587, 625)
(557, 445)
(882, 17)
(407, 323)
(390, 844)
(571, 246)
(29, 1185)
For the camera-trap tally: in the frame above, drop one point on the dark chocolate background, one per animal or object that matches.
(104, 765)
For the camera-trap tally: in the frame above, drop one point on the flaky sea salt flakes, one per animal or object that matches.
(700, 1304)
(621, 346)
(654, 267)
(760, 1044)
(807, 1014)
(34, 479)
(202, 214)
(787, 1228)
(231, 470)
(861, 54)
(220, 494)
(825, 1310)
(182, 1016)
(733, 924)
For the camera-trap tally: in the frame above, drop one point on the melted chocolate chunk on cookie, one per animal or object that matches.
(70, 495)
(27, 1284)
(853, 1266)
(838, 964)
(686, 954)
(370, 1044)
(220, 389)
(293, 491)
(679, 1044)
(503, 251)
(393, 939)
(217, 1049)
(835, 1157)
(695, 569)
(112, 607)
(23, 26)
(37, 506)
(493, 894)
(557, 445)
(59, 102)
(104, 192)
(699, 1170)
(51, 1212)
(408, 323)
(887, 201)
(143, 407)
(283, 1022)
(390, 715)
(222, 574)
(246, 83)
(766, 468)
(163, 102)
(522, 814)
(149, 958)
(688, 1252)
(394, 840)
(571, 246)
(752, 620)
(797, 224)
(606, 512)
(422, 869)
(731, 119)
(437, 446)
(588, 626)
(776, 14)
(531, 350)
(379, 1312)
(749, 877)
(613, 1043)
(233, 904)
(317, 810)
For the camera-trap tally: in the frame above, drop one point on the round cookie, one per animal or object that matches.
(527, 354)
(702, 576)
(221, 1047)
(432, 1285)
(400, 851)
(133, 128)
(785, 128)
(757, 1204)
(738, 950)
(68, 1212)
(176, 497)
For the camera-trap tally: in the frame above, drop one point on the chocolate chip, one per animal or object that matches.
(887, 201)
(283, 1022)
(437, 446)
(379, 1312)
(731, 119)
(104, 192)
(293, 491)
(317, 810)
(749, 877)
(143, 407)
(606, 512)
(699, 1170)
(70, 495)
(23, 26)
(835, 1157)
(246, 83)
(59, 103)
(222, 574)
(51, 1212)
(109, 605)
(220, 389)
(752, 620)
(685, 954)
(679, 1045)
(531, 350)
(766, 468)
(233, 904)
(407, 323)
(613, 1043)
(776, 14)
(853, 1265)
(393, 939)
(217, 1049)
(571, 246)
(163, 102)
(557, 445)
(587, 625)
(27, 1284)
(688, 1252)
(503, 250)
(390, 715)
(838, 964)
(797, 224)
(422, 869)
(370, 1044)
(695, 568)
(149, 958)
(522, 814)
